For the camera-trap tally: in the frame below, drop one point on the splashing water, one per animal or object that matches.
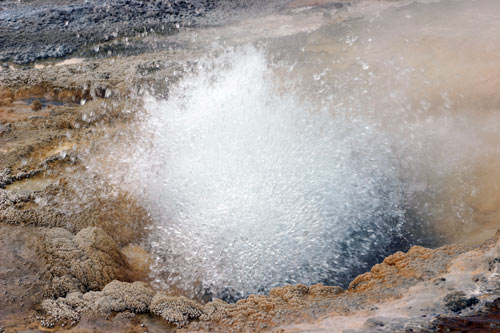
(257, 174)
(251, 188)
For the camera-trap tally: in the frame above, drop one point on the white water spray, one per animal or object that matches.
(250, 188)
(303, 161)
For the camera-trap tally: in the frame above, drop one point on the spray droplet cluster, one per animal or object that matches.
(250, 188)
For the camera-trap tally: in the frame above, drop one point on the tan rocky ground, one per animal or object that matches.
(84, 267)
(38, 153)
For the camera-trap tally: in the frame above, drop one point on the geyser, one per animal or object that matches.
(250, 187)
(307, 158)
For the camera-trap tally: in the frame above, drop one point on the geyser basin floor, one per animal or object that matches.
(431, 117)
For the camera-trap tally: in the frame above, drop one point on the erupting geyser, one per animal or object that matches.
(303, 159)
(251, 188)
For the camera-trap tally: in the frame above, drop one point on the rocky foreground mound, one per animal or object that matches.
(414, 291)
(418, 290)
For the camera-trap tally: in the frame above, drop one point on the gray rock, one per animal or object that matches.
(41, 28)
(457, 301)
(5, 128)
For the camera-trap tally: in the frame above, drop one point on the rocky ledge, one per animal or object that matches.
(420, 290)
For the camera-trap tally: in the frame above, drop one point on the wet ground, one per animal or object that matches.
(489, 321)
(41, 29)
(56, 241)
(33, 30)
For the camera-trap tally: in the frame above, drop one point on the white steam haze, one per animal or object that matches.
(308, 157)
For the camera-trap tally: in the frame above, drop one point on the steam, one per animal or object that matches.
(274, 163)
